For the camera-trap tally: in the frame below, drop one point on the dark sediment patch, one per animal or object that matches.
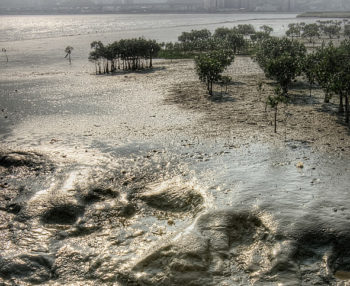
(16, 159)
(21, 175)
(323, 254)
(62, 214)
(31, 268)
(98, 193)
(29, 161)
(14, 208)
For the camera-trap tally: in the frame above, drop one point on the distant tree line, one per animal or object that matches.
(239, 39)
(213, 52)
(331, 29)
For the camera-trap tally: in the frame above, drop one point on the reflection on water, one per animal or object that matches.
(40, 40)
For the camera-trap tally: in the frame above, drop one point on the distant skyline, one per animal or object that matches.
(90, 6)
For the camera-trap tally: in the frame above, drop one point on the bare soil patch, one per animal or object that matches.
(240, 112)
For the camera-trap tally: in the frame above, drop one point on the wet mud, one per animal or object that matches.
(57, 224)
(143, 224)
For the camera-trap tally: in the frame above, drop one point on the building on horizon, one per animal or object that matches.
(147, 6)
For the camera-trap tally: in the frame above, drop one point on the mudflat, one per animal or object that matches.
(142, 179)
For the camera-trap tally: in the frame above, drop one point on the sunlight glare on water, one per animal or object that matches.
(16, 28)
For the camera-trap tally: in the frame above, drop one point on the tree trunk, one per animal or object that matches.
(285, 90)
(276, 119)
(150, 61)
(326, 97)
(347, 108)
(310, 89)
(341, 105)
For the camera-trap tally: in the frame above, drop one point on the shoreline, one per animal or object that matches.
(152, 12)
(326, 14)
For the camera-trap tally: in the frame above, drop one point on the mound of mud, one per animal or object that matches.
(223, 246)
(172, 196)
(28, 160)
(33, 269)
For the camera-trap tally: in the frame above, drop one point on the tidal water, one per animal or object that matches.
(163, 27)
(41, 39)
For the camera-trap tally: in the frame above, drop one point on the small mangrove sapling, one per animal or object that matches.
(274, 100)
(4, 51)
(68, 50)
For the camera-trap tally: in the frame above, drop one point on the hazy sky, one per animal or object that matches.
(301, 4)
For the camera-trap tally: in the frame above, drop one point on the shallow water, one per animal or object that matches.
(18, 28)
(41, 40)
